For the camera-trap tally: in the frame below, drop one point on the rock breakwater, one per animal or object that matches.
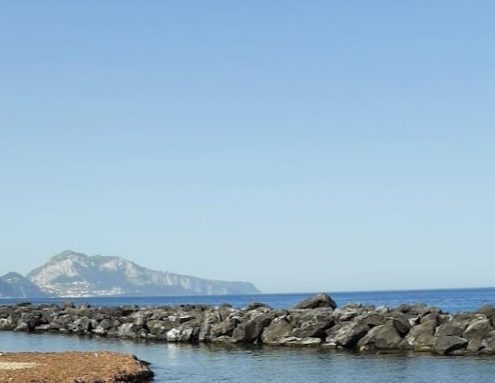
(314, 322)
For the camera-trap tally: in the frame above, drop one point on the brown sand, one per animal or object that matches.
(72, 367)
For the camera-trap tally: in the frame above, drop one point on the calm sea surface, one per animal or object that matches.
(188, 364)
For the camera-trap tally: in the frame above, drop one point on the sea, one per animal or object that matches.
(243, 364)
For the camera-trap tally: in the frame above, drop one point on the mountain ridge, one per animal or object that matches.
(74, 274)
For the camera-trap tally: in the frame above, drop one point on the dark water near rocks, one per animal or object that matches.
(207, 363)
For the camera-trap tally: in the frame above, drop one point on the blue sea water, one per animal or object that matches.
(451, 300)
(208, 363)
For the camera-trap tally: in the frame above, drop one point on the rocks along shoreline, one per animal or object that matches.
(315, 322)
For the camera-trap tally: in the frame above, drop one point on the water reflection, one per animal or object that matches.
(217, 363)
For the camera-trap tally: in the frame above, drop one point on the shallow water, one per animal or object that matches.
(196, 364)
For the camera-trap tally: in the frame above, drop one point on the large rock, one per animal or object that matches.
(319, 300)
(476, 331)
(314, 323)
(279, 328)
(383, 337)
(488, 344)
(420, 337)
(250, 330)
(444, 345)
(346, 335)
(451, 328)
(187, 332)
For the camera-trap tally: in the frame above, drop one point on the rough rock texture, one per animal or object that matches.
(101, 367)
(315, 322)
(320, 300)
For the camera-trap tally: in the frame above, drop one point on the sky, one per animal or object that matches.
(300, 145)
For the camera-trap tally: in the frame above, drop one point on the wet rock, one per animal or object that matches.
(296, 341)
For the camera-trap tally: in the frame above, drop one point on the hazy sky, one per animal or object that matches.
(300, 145)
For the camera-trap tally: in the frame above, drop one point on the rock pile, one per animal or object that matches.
(314, 322)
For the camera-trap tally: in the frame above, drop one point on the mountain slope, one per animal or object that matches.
(14, 285)
(75, 274)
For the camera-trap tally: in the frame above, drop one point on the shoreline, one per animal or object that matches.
(81, 367)
(315, 322)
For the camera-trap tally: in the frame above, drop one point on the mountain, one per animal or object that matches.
(14, 285)
(73, 274)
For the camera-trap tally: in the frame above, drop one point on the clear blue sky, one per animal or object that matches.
(300, 145)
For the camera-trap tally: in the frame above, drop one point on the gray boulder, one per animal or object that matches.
(128, 330)
(444, 345)
(451, 328)
(250, 330)
(383, 337)
(420, 337)
(347, 334)
(476, 331)
(319, 300)
(279, 328)
(314, 323)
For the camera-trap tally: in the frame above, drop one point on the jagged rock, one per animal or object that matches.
(22, 326)
(279, 328)
(451, 328)
(488, 344)
(382, 337)
(477, 329)
(159, 328)
(400, 322)
(444, 345)
(319, 300)
(420, 337)
(347, 334)
(313, 323)
(128, 330)
(250, 331)
(225, 328)
(372, 320)
(80, 326)
(186, 332)
(209, 321)
(6, 324)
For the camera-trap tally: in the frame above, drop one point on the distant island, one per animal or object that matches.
(73, 274)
